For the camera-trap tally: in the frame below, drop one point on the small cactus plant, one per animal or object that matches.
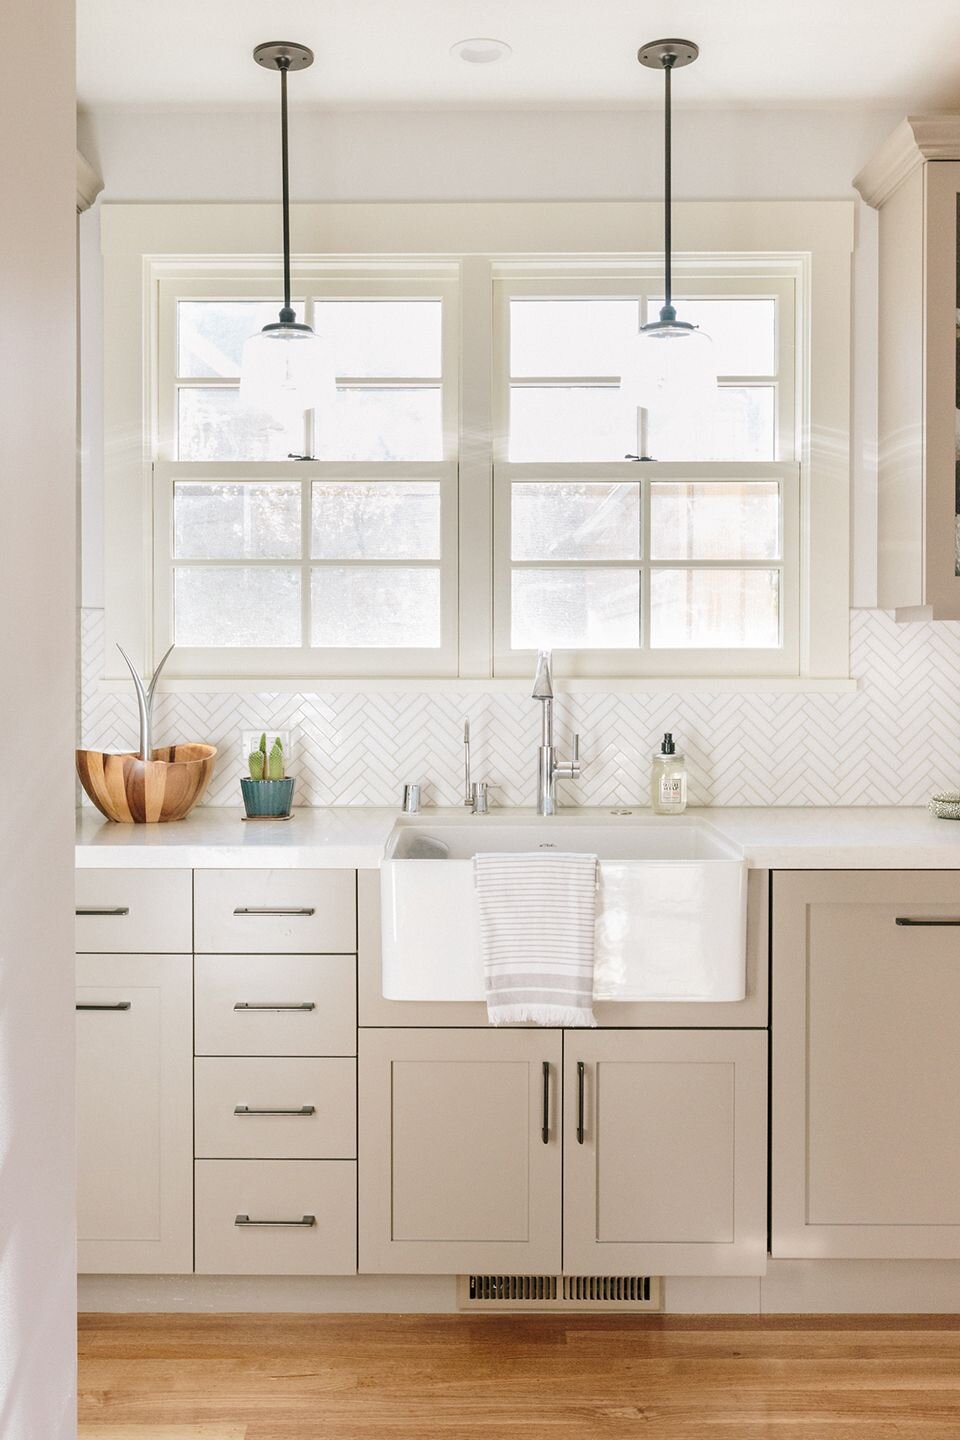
(264, 764)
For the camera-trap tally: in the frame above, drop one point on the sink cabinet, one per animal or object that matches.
(460, 1150)
(663, 1162)
(866, 1072)
(664, 1152)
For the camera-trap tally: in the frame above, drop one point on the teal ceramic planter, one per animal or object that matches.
(267, 797)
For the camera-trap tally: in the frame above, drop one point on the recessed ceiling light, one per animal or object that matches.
(481, 51)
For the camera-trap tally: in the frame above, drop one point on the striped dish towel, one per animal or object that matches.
(537, 916)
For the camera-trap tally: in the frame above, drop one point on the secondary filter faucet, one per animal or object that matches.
(549, 768)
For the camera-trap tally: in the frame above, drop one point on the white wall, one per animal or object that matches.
(480, 155)
(37, 600)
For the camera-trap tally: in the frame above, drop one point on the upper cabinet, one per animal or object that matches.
(914, 183)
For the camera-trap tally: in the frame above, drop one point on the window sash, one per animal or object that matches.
(746, 662)
(305, 660)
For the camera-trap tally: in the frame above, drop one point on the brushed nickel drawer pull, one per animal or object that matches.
(580, 1089)
(103, 909)
(907, 920)
(270, 1005)
(252, 1110)
(275, 910)
(306, 1221)
(117, 1005)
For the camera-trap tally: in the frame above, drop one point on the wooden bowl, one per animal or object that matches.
(134, 791)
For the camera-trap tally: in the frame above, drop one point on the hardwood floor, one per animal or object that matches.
(408, 1377)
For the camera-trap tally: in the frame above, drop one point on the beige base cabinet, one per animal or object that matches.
(866, 1074)
(459, 1151)
(665, 1152)
(134, 1114)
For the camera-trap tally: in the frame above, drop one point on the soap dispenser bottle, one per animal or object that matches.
(668, 779)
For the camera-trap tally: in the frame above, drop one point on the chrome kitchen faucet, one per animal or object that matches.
(549, 768)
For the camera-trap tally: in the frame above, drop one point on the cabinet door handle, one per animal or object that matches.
(278, 1005)
(275, 910)
(117, 1005)
(251, 1110)
(545, 1123)
(306, 1221)
(580, 1090)
(103, 909)
(908, 920)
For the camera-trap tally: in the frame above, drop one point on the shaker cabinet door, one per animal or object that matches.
(866, 1065)
(459, 1151)
(665, 1152)
(134, 1114)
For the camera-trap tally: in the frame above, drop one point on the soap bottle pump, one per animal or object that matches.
(668, 779)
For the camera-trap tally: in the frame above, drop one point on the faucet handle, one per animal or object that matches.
(576, 748)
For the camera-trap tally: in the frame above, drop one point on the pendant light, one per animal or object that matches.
(286, 368)
(670, 370)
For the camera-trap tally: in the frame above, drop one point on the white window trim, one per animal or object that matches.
(141, 242)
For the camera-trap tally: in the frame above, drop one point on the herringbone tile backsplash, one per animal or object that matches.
(893, 742)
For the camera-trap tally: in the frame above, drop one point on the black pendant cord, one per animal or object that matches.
(668, 313)
(287, 315)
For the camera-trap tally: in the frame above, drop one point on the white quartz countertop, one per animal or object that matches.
(884, 838)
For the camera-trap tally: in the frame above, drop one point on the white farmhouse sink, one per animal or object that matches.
(671, 912)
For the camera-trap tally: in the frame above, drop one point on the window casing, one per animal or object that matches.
(221, 249)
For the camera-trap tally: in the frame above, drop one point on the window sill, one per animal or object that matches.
(646, 685)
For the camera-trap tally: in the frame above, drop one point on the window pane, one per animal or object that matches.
(383, 338)
(571, 423)
(589, 521)
(212, 426)
(385, 608)
(736, 521)
(570, 337)
(378, 520)
(383, 424)
(228, 606)
(210, 333)
(252, 520)
(744, 427)
(744, 332)
(715, 609)
(576, 610)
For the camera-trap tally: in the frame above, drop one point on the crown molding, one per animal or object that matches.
(89, 183)
(916, 140)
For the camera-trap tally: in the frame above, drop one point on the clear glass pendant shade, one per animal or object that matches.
(285, 370)
(670, 371)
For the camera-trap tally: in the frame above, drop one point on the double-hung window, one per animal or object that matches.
(616, 544)
(309, 549)
(332, 547)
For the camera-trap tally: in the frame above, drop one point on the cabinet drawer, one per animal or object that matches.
(134, 911)
(275, 1005)
(237, 1104)
(300, 912)
(276, 1217)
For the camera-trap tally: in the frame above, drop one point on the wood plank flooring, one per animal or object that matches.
(409, 1377)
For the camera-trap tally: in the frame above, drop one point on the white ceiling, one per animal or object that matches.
(395, 53)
